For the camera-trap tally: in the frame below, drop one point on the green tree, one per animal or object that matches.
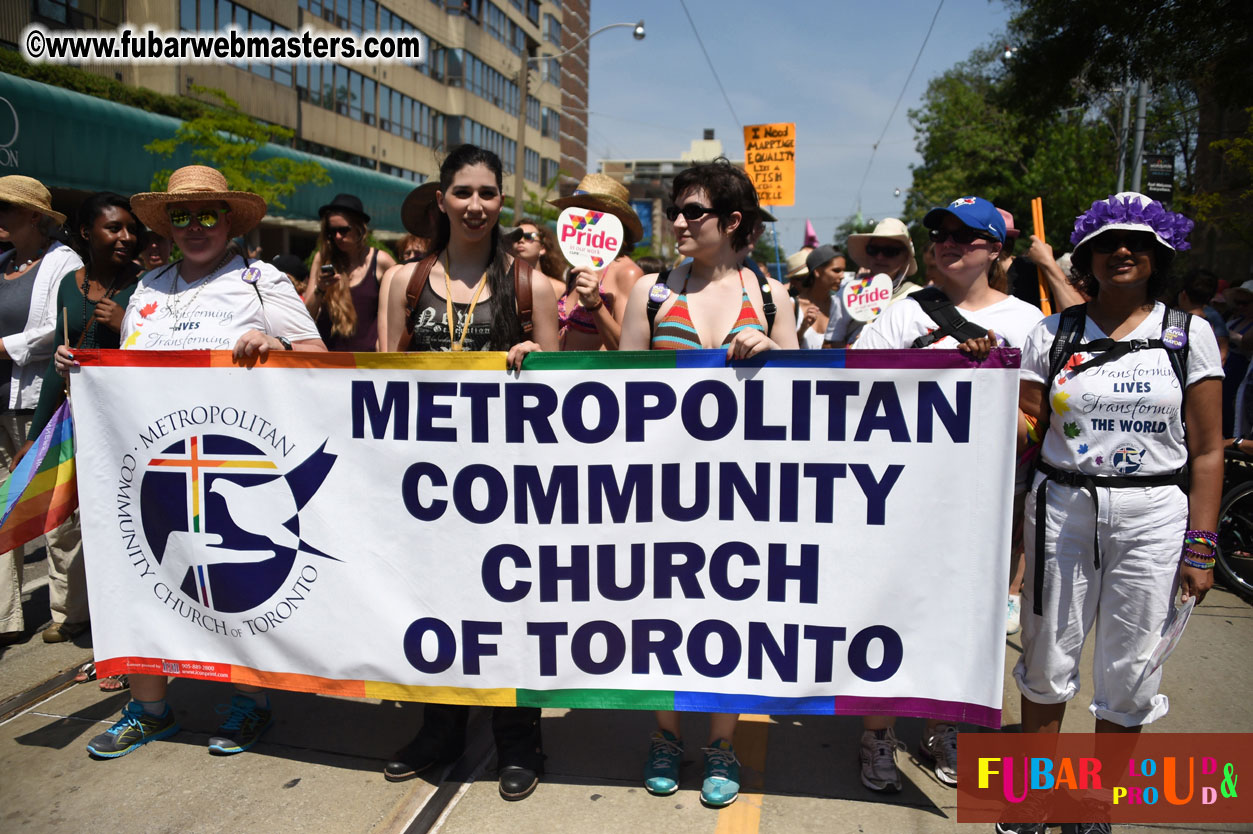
(972, 144)
(226, 138)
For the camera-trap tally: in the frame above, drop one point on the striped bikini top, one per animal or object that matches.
(674, 330)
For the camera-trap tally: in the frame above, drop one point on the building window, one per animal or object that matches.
(532, 165)
(76, 14)
(552, 29)
(550, 71)
(549, 171)
(212, 15)
(532, 11)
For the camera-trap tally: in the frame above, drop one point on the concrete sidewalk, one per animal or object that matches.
(319, 768)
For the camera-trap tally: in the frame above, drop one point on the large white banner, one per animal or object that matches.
(822, 532)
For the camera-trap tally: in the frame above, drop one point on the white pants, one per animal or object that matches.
(67, 581)
(1128, 599)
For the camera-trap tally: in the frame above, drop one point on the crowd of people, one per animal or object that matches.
(1084, 557)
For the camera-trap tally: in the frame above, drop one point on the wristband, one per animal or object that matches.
(285, 342)
(1199, 565)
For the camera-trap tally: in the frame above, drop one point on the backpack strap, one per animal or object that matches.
(950, 322)
(768, 307)
(522, 274)
(417, 283)
(1180, 320)
(656, 295)
(1069, 333)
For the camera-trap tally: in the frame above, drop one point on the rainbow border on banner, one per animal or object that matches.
(565, 698)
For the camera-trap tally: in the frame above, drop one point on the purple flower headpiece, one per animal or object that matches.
(1130, 210)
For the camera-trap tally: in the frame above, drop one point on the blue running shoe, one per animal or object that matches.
(722, 775)
(244, 724)
(134, 729)
(661, 774)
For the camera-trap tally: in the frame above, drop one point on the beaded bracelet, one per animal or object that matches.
(1200, 565)
(1206, 535)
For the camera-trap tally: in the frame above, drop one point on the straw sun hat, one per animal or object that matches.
(604, 193)
(198, 183)
(28, 193)
(889, 228)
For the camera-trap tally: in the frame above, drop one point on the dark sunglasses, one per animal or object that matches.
(206, 218)
(690, 212)
(531, 236)
(964, 236)
(874, 250)
(1131, 241)
(338, 231)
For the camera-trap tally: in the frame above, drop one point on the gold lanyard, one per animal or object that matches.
(453, 343)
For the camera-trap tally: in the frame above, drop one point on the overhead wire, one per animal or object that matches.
(875, 147)
(709, 61)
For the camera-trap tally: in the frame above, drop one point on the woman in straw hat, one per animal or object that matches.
(211, 299)
(887, 250)
(719, 304)
(343, 290)
(591, 309)
(32, 272)
(463, 298)
(1123, 512)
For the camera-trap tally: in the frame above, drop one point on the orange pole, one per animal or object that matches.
(1037, 221)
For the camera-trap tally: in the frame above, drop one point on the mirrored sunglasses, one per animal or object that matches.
(206, 218)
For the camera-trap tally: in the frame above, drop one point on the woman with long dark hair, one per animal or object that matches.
(343, 290)
(464, 296)
(537, 245)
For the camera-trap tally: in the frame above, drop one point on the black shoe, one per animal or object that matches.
(420, 755)
(517, 782)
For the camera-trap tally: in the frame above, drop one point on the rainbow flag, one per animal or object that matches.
(41, 493)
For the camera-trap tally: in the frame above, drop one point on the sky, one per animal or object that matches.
(835, 68)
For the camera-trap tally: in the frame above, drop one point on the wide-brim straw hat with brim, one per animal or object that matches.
(889, 228)
(28, 193)
(796, 264)
(603, 193)
(417, 212)
(198, 184)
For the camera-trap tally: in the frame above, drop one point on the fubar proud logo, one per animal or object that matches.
(209, 508)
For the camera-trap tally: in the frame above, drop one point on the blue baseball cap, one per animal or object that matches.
(974, 212)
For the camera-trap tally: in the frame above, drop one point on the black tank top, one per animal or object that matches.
(430, 323)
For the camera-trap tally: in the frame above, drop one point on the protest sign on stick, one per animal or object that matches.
(770, 160)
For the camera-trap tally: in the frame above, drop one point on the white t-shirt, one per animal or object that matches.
(841, 326)
(1123, 417)
(166, 314)
(811, 339)
(898, 326)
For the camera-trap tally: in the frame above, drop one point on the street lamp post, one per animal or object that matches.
(519, 160)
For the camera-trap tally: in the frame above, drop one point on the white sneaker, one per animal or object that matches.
(1013, 617)
(878, 761)
(939, 749)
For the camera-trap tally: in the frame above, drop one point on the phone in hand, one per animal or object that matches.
(328, 272)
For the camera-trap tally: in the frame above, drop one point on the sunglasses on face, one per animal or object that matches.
(690, 212)
(874, 250)
(964, 236)
(338, 231)
(531, 236)
(1131, 241)
(206, 218)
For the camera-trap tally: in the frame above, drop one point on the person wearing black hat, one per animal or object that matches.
(343, 290)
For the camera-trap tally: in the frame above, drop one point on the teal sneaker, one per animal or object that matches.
(134, 729)
(244, 724)
(722, 775)
(661, 774)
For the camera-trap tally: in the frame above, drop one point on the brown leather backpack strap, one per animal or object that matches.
(413, 291)
(522, 273)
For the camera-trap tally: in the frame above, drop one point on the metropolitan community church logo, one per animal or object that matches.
(221, 517)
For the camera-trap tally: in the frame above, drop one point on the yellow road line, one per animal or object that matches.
(744, 817)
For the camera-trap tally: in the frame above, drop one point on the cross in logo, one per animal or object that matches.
(196, 464)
